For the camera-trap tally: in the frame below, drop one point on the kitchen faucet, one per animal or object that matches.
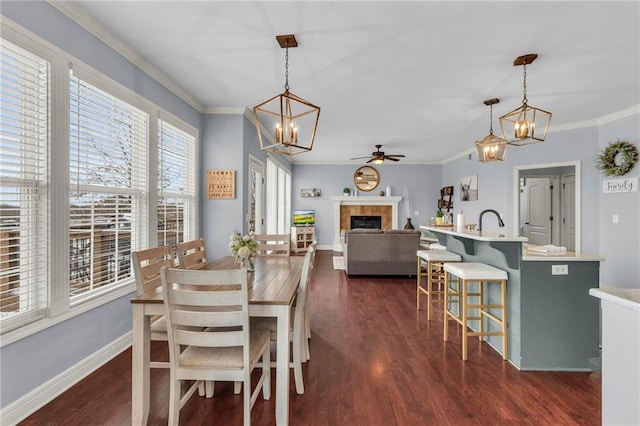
(500, 222)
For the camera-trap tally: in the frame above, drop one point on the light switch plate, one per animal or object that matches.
(559, 269)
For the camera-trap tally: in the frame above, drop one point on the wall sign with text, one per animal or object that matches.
(620, 185)
(221, 184)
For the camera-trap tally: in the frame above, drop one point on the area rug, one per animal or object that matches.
(338, 263)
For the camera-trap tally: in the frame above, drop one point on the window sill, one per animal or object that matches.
(44, 323)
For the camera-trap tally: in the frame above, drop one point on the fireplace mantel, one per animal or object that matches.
(361, 201)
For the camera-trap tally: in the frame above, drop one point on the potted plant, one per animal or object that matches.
(439, 217)
(346, 191)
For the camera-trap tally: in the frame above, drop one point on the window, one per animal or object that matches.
(176, 185)
(24, 85)
(86, 168)
(108, 177)
(278, 198)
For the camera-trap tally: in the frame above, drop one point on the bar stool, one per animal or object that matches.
(432, 262)
(460, 295)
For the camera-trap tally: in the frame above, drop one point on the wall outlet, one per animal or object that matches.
(559, 269)
(417, 213)
(616, 218)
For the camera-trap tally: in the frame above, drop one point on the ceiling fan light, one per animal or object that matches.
(378, 160)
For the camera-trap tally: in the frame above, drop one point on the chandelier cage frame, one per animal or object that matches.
(526, 124)
(491, 147)
(286, 123)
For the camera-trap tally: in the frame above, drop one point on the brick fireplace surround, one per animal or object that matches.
(345, 207)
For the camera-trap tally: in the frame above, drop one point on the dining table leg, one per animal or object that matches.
(140, 374)
(282, 365)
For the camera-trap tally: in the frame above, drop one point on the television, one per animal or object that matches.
(304, 217)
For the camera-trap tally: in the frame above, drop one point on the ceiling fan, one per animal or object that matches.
(378, 157)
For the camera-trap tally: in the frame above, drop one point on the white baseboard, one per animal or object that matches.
(28, 404)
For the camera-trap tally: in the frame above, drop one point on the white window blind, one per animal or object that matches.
(278, 198)
(108, 177)
(176, 185)
(24, 138)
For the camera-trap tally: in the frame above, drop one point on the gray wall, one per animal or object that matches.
(620, 243)
(422, 183)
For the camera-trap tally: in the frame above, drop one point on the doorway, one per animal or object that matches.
(255, 215)
(547, 203)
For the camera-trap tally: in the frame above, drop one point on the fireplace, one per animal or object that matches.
(345, 207)
(370, 222)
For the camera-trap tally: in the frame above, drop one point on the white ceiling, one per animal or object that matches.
(411, 76)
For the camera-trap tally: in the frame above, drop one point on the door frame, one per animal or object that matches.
(516, 194)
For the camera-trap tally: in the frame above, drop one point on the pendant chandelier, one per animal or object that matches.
(527, 124)
(286, 123)
(491, 147)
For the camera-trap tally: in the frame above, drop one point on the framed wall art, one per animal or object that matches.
(221, 184)
(469, 188)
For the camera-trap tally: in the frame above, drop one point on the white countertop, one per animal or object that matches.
(474, 235)
(569, 256)
(527, 255)
(627, 297)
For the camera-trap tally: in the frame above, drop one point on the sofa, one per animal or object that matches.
(378, 252)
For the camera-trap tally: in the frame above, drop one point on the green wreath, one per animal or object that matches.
(606, 161)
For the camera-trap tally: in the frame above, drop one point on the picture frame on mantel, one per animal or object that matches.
(469, 188)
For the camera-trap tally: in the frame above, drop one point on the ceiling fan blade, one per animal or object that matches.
(391, 158)
(361, 158)
(395, 155)
(370, 161)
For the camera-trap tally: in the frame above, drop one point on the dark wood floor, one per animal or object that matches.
(374, 361)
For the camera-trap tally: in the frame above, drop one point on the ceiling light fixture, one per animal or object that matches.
(491, 147)
(378, 160)
(529, 124)
(286, 123)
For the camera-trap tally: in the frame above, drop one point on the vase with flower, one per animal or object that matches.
(243, 249)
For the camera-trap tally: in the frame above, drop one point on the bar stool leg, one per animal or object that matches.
(446, 306)
(464, 319)
(503, 284)
(481, 309)
(418, 282)
(429, 289)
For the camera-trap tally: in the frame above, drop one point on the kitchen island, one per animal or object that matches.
(553, 323)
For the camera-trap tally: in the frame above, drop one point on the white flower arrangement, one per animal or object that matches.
(242, 246)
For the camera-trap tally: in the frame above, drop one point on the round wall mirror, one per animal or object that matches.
(366, 178)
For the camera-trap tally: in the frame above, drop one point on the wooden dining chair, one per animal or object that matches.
(225, 348)
(146, 268)
(273, 245)
(297, 331)
(192, 254)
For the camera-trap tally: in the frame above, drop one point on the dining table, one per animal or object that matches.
(272, 288)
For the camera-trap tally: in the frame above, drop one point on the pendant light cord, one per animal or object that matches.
(524, 84)
(286, 69)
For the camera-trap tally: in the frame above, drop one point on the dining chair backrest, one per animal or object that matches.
(300, 315)
(192, 254)
(207, 315)
(273, 244)
(220, 301)
(147, 264)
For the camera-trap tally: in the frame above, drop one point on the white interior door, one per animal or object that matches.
(256, 194)
(539, 215)
(569, 212)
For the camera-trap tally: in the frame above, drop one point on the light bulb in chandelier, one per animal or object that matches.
(521, 129)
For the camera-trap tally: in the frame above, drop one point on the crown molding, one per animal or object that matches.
(102, 33)
(225, 110)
